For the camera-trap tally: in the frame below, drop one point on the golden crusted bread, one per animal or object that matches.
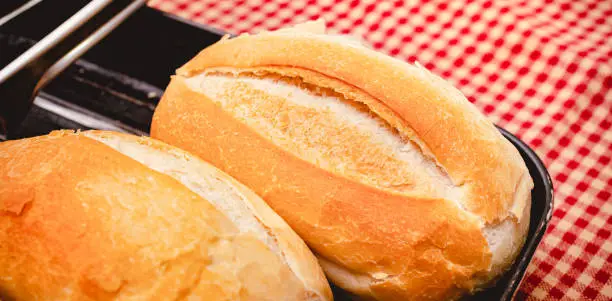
(400, 186)
(108, 216)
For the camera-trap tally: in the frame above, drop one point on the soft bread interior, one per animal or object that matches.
(289, 114)
(319, 124)
(247, 211)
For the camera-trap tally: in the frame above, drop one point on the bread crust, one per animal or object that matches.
(374, 242)
(82, 221)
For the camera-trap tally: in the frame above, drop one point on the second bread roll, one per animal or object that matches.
(403, 189)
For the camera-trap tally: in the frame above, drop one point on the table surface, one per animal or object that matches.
(540, 69)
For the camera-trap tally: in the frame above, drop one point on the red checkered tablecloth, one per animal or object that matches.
(540, 69)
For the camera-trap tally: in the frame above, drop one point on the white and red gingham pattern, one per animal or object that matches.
(541, 69)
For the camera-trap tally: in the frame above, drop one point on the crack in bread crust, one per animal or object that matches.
(292, 111)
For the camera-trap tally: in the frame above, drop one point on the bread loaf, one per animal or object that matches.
(400, 186)
(107, 216)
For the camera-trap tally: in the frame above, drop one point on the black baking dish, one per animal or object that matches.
(117, 84)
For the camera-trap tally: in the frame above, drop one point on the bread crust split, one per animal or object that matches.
(400, 186)
(105, 216)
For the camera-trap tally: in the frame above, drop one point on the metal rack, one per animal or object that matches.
(117, 80)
